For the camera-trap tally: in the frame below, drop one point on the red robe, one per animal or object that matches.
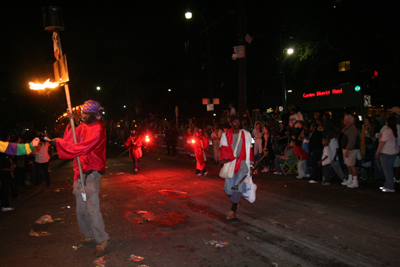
(91, 147)
(135, 151)
(227, 151)
(200, 145)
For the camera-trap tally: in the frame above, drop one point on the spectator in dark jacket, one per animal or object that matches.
(315, 147)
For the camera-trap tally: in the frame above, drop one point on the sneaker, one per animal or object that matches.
(231, 215)
(386, 190)
(307, 176)
(101, 248)
(382, 187)
(277, 173)
(325, 183)
(353, 185)
(7, 208)
(346, 182)
(255, 172)
(136, 171)
(313, 182)
(198, 174)
(298, 177)
(205, 174)
(265, 170)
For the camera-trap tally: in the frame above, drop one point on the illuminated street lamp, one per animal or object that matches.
(98, 88)
(289, 51)
(189, 15)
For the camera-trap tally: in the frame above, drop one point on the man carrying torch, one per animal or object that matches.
(91, 148)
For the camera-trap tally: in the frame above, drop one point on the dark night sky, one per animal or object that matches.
(135, 51)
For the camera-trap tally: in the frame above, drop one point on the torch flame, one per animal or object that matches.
(42, 86)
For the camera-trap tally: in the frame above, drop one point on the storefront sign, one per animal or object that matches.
(322, 93)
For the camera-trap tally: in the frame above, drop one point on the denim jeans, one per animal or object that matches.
(387, 162)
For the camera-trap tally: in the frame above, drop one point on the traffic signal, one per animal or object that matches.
(367, 81)
(374, 83)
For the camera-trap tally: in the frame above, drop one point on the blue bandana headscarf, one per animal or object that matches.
(92, 106)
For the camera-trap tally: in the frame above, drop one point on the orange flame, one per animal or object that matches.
(42, 86)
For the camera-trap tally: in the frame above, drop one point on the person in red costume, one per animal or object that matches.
(91, 148)
(232, 138)
(134, 144)
(200, 146)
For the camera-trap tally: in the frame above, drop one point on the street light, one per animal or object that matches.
(189, 15)
(289, 51)
(98, 88)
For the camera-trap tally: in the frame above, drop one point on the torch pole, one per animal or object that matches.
(53, 22)
(78, 160)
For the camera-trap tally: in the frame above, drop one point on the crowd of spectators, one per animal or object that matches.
(322, 150)
(22, 171)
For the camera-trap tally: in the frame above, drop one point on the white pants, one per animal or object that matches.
(301, 168)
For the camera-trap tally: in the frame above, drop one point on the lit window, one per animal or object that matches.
(344, 66)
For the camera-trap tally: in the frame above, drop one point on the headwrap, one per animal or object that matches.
(92, 106)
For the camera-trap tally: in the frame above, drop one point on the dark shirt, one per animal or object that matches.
(282, 133)
(5, 163)
(297, 133)
(269, 143)
(315, 142)
(329, 126)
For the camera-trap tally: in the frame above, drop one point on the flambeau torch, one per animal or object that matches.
(53, 22)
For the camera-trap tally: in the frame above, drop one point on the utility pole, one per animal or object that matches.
(242, 61)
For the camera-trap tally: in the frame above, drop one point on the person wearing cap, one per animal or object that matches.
(91, 148)
(244, 161)
(200, 146)
(134, 144)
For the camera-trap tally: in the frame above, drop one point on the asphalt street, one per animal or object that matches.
(171, 217)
